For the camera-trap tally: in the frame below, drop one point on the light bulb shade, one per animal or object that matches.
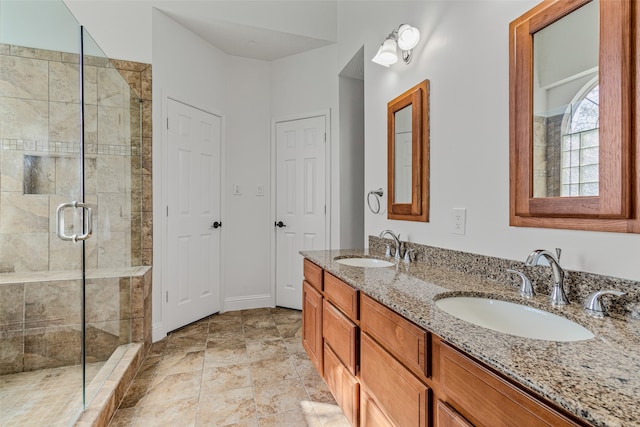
(387, 54)
(408, 37)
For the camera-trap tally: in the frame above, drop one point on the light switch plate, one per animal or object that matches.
(260, 190)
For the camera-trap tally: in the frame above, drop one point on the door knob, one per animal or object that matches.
(280, 224)
(216, 224)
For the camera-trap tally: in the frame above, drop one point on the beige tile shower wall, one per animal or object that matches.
(138, 75)
(41, 321)
(39, 110)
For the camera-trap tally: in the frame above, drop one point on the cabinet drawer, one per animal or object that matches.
(341, 335)
(486, 399)
(370, 414)
(344, 386)
(341, 295)
(398, 393)
(313, 274)
(448, 417)
(406, 341)
(312, 324)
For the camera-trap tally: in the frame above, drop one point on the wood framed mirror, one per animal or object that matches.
(408, 154)
(573, 96)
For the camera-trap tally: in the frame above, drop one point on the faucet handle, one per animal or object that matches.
(407, 255)
(526, 288)
(593, 304)
(558, 253)
(387, 251)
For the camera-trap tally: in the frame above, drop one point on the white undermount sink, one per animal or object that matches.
(363, 262)
(514, 319)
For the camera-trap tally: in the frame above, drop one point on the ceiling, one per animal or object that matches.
(245, 40)
(258, 29)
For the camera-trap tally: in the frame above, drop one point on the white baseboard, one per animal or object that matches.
(247, 302)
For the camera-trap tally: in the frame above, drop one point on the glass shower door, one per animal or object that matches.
(41, 275)
(111, 136)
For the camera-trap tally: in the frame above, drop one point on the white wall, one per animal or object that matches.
(351, 115)
(464, 53)
(247, 220)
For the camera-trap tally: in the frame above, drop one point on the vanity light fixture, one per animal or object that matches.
(404, 37)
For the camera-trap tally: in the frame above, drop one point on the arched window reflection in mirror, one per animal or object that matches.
(574, 151)
(579, 146)
(408, 154)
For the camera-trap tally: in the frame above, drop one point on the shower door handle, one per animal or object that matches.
(88, 221)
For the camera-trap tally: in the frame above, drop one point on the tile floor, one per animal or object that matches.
(243, 369)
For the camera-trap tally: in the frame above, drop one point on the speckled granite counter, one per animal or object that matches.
(598, 380)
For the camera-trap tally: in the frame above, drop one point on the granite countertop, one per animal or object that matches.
(598, 380)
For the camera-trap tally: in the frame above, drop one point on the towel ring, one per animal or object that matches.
(377, 193)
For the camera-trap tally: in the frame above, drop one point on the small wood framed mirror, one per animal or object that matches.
(408, 154)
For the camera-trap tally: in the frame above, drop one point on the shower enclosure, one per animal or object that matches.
(70, 203)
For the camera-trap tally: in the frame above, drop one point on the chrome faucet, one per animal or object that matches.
(557, 296)
(398, 249)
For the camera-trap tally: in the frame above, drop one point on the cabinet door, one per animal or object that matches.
(398, 393)
(370, 414)
(312, 324)
(340, 334)
(486, 399)
(448, 417)
(344, 386)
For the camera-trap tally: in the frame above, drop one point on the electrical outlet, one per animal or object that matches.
(459, 217)
(236, 190)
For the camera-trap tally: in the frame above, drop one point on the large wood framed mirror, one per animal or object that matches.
(573, 96)
(408, 154)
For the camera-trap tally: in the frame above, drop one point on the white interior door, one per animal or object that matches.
(301, 201)
(193, 255)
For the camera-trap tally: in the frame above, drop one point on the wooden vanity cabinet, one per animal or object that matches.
(404, 340)
(313, 274)
(341, 295)
(449, 417)
(312, 313)
(340, 335)
(399, 394)
(474, 395)
(394, 364)
(385, 371)
(312, 325)
(370, 413)
(344, 386)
